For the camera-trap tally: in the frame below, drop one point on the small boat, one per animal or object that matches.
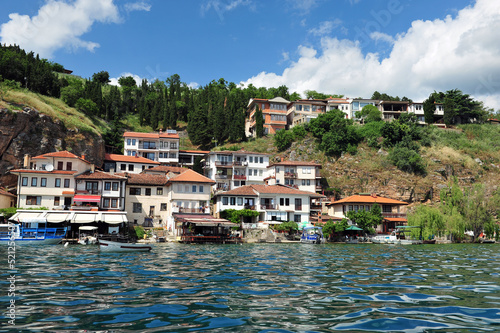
(429, 241)
(122, 246)
(312, 235)
(32, 232)
(85, 239)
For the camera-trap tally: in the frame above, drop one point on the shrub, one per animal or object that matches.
(407, 160)
(283, 140)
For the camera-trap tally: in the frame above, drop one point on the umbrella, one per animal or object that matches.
(353, 227)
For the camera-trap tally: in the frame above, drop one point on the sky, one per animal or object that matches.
(350, 47)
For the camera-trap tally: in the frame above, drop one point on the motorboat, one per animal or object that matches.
(32, 232)
(84, 238)
(122, 245)
(312, 235)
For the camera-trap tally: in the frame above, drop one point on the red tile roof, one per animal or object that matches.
(150, 135)
(57, 172)
(4, 192)
(166, 169)
(366, 198)
(60, 154)
(297, 163)
(195, 151)
(145, 179)
(99, 175)
(131, 159)
(232, 152)
(268, 189)
(192, 177)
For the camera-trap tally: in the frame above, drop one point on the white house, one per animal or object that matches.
(161, 147)
(304, 176)
(130, 164)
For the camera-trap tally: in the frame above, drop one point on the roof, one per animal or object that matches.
(297, 163)
(131, 159)
(204, 152)
(395, 219)
(366, 198)
(54, 172)
(233, 152)
(192, 177)
(202, 220)
(279, 100)
(145, 179)
(5, 192)
(166, 169)
(255, 190)
(100, 175)
(164, 135)
(60, 154)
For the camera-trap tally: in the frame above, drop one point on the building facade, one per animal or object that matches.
(160, 147)
(304, 176)
(130, 164)
(274, 112)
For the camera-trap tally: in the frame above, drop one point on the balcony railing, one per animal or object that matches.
(268, 206)
(141, 146)
(199, 210)
(223, 163)
(221, 176)
(394, 215)
(252, 207)
(240, 177)
(290, 175)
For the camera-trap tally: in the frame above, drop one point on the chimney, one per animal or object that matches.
(26, 162)
(83, 157)
(92, 168)
(161, 131)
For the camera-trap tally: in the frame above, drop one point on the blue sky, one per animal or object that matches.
(350, 47)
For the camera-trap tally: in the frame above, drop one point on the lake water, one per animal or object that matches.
(255, 288)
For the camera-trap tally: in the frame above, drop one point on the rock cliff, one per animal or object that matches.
(29, 132)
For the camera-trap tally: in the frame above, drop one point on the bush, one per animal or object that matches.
(283, 140)
(407, 160)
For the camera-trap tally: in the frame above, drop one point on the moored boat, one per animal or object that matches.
(312, 235)
(33, 232)
(116, 246)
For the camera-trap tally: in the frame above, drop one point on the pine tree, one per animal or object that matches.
(259, 122)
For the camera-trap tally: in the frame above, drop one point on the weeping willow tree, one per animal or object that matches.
(429, 219)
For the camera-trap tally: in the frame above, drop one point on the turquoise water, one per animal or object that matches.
(255, 288)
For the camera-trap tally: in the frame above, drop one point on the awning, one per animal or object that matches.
(113, 218)
(353, 227)
(87, 198)
(395, 219)
(35, 216)
(87, 227)
(84, 218)
(212, 223)
(58, 217)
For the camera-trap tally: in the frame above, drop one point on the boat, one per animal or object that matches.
(85, 239)
(33, 232)
(122, 246)
(396, 237)
(429, 241)
(312, 235)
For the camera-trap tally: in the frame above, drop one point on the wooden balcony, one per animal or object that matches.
(268, 206)
(239, 177)
(290, 175)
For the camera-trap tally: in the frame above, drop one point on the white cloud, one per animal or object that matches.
(137, 78)
(58, 24)
(137, 6)
(377, 35)
(221, 7)
(461, 52)
(303, 6)
(325, 28)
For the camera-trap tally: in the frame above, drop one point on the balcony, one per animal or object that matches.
(290, 175)
(239, 177)
(199, 210)
(268, 206)
(223, 163)
(221, 176)
(394, 215)
(142, 146)
(252, 207)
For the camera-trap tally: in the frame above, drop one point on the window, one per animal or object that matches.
(386, 209)
(60, 165)
(133, 142)
(308, 182)
(33, 200)
(277, 170)
(69, 166)
(91, 187)
(163, 206)
(105, 202)
(306, 170)
(135, 191)
(261, 173)
(149, 145)
(179, 188)
(239, 201)
(303, 182)
(148, 192)
(186, 188)
(130, 167)
(136, 207)
(114, 203)
(225, 200)
(115, 186)
(25, 181)
(194, 188)
(129, 141)
(123, 167)
(232, 201)
(287, 201)
(296, 218)
(262, 160)
(255, 172)
(201, 189)
(282, 201)
(172, 155)
(57, 182)
(34, 181)
(107, 185)
(159, 191)
(57, 201)
(298, 204)
(173, 145)
(250, 159)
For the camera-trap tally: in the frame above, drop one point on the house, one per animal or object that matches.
(357, 104)
(164, 170)
(418, 109)
(130, 164)
(393, 211)
(7, 199)
(275, 203)
(48, 180)
(147, 200)
(160, 147)
(232, 169)
(189, 157)
(342, 104)
(97, 190)
(274, 112)
(302, 111)
(304, 176)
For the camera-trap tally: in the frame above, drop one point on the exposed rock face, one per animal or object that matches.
(32, 133)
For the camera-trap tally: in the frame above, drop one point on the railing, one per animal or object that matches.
(199, 210)
(220, 176)
(223, 163)
(141, 146)
(316, 206)
(290, 175)
(90, 192)
(268, 206)
(298, 207)
(84, 208)
(252, 207)
(394, 215)
(243, 177)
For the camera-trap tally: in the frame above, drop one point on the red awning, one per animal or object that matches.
(395, 219)
(87, 198)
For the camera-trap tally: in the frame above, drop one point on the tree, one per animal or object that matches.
(363, 220)
(87, 106)
(127, 81)
(283, 139)
(259, 122)
(460, 108)
(369, 113)
(476, 210)
(429, 109)
(101, 77)
(430, 221)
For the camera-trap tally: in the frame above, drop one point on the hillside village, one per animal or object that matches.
(152, 184)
